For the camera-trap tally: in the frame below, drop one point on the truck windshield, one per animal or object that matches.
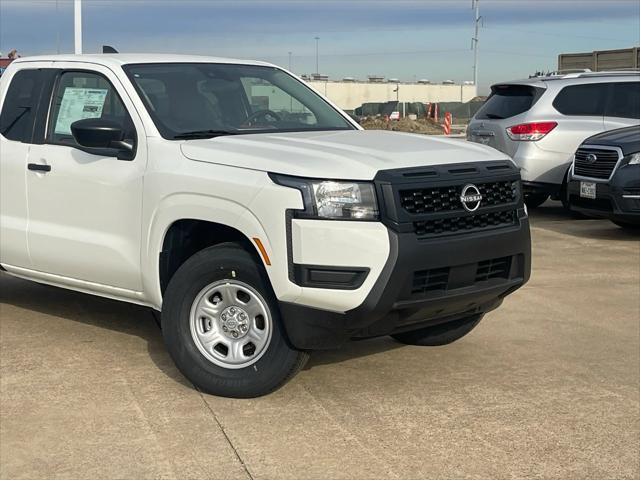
(204, 100)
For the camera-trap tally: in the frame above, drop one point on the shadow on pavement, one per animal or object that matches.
(552, 216)
(351, 351)
(91, 310)
(141, 321)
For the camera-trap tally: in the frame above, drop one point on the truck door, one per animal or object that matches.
(21, 93)
(85, 209)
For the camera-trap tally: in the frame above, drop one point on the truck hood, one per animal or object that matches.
(349, 154)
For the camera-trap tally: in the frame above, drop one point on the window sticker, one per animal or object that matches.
(78, 104)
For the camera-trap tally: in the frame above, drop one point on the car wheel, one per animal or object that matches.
(442, 334)
(627, 225)
(534, 200)
(221, 325)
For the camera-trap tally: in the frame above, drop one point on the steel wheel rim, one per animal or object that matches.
(230, 324)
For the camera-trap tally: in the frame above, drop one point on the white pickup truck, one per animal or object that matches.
(254, 214)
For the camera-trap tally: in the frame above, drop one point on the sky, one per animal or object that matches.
(402, 39)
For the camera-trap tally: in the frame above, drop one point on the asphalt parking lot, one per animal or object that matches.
(548, 386)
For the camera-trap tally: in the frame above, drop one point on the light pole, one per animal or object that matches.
(77, 24)
(475, 4)
(317, 69)
(57, 29)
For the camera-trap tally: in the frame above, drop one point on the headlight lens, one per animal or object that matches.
(335, 200)
(635, 159)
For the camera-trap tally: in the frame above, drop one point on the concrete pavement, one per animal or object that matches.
(546, 387)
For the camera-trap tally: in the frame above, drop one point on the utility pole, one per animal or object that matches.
(77, 23)
(317, 68)
(57, 29)
(474, 41)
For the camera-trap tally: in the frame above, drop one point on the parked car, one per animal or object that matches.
(181, 183)
(605, 177)
(540, 122)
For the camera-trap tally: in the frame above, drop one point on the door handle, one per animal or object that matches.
(39, 167)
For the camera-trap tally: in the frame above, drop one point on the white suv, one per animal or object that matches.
(259, 218)
(540, 122)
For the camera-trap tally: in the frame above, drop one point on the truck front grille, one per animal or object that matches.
(494, 268)
(438, 280)
(467, 223)
(595, 162)
(428, 201)
(442, 199)
(430, 280)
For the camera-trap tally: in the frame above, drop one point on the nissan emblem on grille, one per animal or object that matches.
(470, 197)
(591, 158)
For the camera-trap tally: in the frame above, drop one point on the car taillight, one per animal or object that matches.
(530, 131)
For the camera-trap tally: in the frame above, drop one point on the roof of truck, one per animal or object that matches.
(118, 59)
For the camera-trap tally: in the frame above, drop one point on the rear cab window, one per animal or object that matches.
(18, 115)
(508, 101)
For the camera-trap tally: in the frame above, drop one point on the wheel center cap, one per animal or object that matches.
(234, 322)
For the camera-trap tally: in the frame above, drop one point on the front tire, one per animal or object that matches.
(221, 325)
(441, 334)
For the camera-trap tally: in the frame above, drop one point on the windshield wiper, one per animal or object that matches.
(203, 134)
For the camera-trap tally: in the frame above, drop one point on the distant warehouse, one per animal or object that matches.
(601, 60)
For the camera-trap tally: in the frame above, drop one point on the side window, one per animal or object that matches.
(20, 104)
(81, 95)
(624, 101)
(584, 100)
(263, 95)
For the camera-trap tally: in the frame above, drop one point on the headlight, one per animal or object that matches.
(335, 200)
(634, 159)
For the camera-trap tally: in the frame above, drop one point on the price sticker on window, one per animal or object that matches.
(78, 104)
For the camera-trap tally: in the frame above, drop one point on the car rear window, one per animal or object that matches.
(509, 100)
(582, 100)
(624, 101)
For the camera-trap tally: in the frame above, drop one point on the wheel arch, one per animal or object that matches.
(188, 225)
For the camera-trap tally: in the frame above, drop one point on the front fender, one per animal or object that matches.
(193, 206)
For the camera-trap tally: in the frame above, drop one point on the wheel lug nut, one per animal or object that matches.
(242, 316)
(232, 310)
(224, 328)
(235, 334)
(224, 316)
(244, 328)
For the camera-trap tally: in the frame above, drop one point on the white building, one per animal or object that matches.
(351, 94)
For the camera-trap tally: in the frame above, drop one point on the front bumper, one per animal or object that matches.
(424, 282)
(616, 199)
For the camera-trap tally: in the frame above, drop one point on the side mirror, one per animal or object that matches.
(98, 133)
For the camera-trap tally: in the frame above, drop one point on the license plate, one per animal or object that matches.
(588, 190)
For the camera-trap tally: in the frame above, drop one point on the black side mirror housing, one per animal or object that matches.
(99, 134)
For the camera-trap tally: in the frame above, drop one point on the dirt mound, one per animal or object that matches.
(426, 127)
